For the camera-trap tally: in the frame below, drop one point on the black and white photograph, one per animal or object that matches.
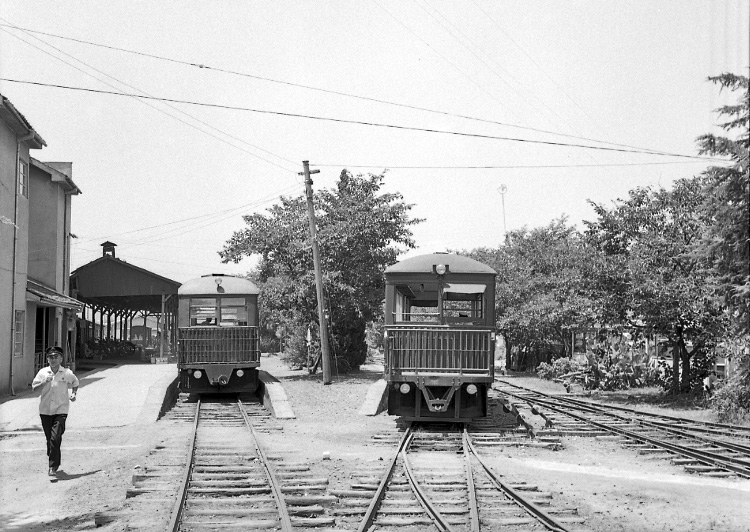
(375, 266)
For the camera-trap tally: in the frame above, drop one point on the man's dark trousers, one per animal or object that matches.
(54, 427)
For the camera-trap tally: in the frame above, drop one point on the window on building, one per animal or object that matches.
(19, 333)
(23, 178)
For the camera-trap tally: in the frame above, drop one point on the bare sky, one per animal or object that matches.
(168, 182)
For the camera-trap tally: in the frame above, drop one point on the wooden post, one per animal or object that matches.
(161, 328)
(324, 348)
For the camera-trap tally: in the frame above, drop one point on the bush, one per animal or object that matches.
(558, 368)
(732, 403)
(599, 375)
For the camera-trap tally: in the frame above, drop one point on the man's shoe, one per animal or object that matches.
(52, 472)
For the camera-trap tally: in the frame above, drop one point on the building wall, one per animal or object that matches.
(44, 228)
(12, 287)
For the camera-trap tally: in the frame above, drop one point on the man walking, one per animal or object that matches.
(54, 403)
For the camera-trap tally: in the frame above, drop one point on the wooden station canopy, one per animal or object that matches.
(113, 284)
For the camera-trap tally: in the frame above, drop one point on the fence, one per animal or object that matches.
(425, 349)
(218, 345)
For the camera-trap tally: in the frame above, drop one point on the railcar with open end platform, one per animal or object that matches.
(439, 337)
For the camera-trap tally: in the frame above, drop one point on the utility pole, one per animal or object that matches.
(502, 189)
(324, 349)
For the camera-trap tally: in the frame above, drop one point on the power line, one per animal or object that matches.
(156, 108)
(360, 122)
(504, 167)
(542, 70)
(490, 67)
(327, 91)
(218, 215)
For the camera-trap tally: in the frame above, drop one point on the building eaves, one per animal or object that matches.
(57, 176)
(18, 124)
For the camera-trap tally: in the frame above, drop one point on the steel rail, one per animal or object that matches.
(377, 499)
(663, 421)
(705, 424)
(473, 506)
(174, 522)
(437, 518)
(684, 431)
(286, 522)
(595, 408)
(707, 457)
(543, 517)
(602, 409)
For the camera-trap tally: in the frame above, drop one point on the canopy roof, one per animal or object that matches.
(111, 282)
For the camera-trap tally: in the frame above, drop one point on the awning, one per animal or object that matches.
(50, 298)
(464, 288)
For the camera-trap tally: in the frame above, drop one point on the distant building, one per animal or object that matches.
(35, 209)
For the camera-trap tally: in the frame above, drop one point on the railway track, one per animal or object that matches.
(225, 479)
(437, 480)
(229, 482)
(709, 449)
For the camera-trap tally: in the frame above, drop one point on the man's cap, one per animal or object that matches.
(54, 351)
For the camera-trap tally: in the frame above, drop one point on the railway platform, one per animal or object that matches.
(120, 393)
(108, 396)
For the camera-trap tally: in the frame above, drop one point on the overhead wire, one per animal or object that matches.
(213, 217)
(156, 99)
(450, 28)
(328, 91)
(362, 122)
(503, 166)
(543, 71)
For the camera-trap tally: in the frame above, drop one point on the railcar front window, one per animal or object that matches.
(203, 311)
(463, 303)
(233, 316)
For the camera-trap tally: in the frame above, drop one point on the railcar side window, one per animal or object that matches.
(203, 311)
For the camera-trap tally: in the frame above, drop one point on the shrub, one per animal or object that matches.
(732, 403)
(545, 371)
(558, 368)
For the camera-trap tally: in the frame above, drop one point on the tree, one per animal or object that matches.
(726, 240)
(544, 286)
(725, 245)
(360, 232)
(651, 234)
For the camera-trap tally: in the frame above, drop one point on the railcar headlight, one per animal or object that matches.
(472, 389)
(240, 373)
(197, 374)
(440, 269)
(223, 380)
(404, 388)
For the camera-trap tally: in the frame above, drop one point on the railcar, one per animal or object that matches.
(439, 338)
(218, 343)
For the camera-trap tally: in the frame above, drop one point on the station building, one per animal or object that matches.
(36, 310)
